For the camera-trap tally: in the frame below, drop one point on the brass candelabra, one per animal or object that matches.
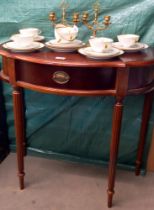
(64, 6)
(96, 26)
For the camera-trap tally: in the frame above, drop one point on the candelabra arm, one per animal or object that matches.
(99, 29)
(102, 28)
(90, 27)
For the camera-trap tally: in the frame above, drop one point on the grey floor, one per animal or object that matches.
(59, 185)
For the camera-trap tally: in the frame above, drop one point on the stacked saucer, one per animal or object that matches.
(70, 46)
(38, 38)
(90, 53)
(12, 46)
(35, 32)
(133, 48)
(129, 43)
(100, 49)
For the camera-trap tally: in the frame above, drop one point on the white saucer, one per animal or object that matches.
(64, 47)
(15, 48)
(73, 43)
(88, 52)
(137, 47)
(36, 39)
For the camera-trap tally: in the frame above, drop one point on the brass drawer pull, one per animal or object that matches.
(60, 77)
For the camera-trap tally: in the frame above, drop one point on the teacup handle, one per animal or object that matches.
(39, 32)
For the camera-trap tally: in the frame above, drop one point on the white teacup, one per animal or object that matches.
(30, 31)
(22, 40)
(65, 34)
(101, 44)
(128, 40)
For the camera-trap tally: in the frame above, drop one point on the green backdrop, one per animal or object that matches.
(78, 128)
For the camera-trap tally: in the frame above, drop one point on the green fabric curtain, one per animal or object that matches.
(78, 128)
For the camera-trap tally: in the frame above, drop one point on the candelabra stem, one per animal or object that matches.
(63, 16)
(96, 18)
(94, 33)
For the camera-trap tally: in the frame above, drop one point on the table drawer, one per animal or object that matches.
(66, 78)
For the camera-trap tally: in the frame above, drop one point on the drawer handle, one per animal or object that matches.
(60, 77)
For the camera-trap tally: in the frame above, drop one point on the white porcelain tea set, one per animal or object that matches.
(26, 40)
(66, 41)
(105, 48)
(100, 48)
(129, 43)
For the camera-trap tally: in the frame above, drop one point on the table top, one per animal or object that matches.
(48, 57)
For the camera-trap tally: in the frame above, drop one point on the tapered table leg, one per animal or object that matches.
(116, 127)
(19, 129)
(143, 131)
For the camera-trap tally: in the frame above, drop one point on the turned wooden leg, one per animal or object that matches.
(143, 131)
(24, 136)
(116, 126)
(19, 129)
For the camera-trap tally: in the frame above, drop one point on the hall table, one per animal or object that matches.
(73, 74)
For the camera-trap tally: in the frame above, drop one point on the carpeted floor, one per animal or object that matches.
(59, 185)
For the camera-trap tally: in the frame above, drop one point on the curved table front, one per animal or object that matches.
(74, 74)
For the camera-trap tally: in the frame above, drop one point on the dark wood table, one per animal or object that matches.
(73, 74)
